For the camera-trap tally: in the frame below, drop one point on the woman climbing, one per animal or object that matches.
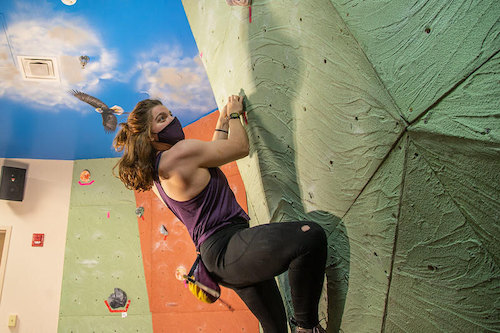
(188, 180)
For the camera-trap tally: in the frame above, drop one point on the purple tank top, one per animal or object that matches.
(213, 208)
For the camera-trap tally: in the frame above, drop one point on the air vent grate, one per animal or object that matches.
(39, 68)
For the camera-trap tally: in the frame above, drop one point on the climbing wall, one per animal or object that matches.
(102, 253)
(380, 121)
(168, 249)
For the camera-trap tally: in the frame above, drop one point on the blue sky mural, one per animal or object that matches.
(137, 49)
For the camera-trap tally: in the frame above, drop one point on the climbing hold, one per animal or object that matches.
(139, 211)
(163, 231)
(117, 299)
(239, 2)
(242, 3)
(180, 272)
(85, 178)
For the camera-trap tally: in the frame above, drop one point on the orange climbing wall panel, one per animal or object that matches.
(173, 307)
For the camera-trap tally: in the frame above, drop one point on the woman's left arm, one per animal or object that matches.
(222, 128)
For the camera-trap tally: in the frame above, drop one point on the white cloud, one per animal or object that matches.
(66, 39)
(179, 81)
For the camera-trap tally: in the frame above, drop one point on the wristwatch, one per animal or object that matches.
(234, 115)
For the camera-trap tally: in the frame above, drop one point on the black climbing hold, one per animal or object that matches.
(117, 299)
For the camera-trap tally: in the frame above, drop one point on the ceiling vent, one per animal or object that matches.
(39, 68)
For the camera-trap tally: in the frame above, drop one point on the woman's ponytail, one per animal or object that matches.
(136, 166)
(121, 137)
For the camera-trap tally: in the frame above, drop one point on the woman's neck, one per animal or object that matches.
(161, 146)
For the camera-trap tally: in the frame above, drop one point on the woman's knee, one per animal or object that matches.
(312, 226)
(315, 232)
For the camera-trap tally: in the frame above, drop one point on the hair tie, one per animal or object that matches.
(125, 127)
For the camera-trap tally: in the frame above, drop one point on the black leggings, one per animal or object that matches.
(247, 260)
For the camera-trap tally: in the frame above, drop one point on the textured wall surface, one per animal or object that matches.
(102, 253)
(379, 120)
(173, 307)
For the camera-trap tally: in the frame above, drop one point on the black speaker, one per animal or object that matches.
(12, 184)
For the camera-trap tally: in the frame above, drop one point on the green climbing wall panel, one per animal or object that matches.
(380, 120)
(102, 253)
(423, 49)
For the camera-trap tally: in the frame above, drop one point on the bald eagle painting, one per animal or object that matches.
(108, 114)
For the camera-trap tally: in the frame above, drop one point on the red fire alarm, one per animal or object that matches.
(37, 240)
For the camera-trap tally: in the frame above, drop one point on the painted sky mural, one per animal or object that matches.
(136, 50)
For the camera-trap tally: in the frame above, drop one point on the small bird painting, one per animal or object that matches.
(108, 114)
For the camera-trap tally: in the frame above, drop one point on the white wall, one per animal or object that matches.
(33, 276)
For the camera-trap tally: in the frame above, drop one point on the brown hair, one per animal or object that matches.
(136, 166)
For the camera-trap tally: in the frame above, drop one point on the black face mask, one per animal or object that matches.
(172, 133)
